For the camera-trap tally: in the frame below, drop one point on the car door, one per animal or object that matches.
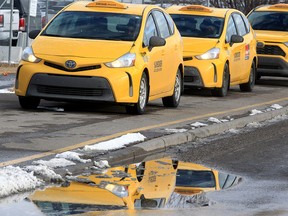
(154, 57)
(168, 51)
(245, 46)
(235, 52)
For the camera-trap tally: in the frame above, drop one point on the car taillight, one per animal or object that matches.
(22, 24)
(1, 20)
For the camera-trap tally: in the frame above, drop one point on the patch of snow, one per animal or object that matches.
(276, 106)
(56, 109)
(103, 164)
(214, 120)
(171, 130)
(254, 125)
(54, 163)
(74, 156)
(116, 143)
(5, 91)
(46, 173)
(198, 124)
(255, 112)
(235, 131)
(14, 180)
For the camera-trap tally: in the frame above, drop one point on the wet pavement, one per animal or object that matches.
(163, 183)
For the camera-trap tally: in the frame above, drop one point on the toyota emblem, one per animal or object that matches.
(70, 64)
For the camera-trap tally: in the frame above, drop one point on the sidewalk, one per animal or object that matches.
(6, 69)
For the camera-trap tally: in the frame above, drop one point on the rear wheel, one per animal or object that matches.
(248, 87)
(174, 100)
(139, 107)
(29, 102)
(222, 92)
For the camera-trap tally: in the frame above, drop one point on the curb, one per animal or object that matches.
(160, 144)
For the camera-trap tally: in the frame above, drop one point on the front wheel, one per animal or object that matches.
(222, 92)
(174, 100)
(29, 102)
(139, 107)
(248, 87)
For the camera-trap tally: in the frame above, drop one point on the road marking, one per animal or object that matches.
(105, 138)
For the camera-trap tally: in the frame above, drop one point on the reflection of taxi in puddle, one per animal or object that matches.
(145, 185)
(194, 179)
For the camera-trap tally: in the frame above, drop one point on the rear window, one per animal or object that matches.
(94, 25)
(198, 26)
(270, 21)
(5, 4)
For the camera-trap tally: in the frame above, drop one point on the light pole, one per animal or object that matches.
(208, 3)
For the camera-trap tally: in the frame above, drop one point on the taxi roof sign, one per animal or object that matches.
(199, 8)
(107, 4)
(279, 6)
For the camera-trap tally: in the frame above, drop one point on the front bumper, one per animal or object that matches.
(90, 84)
(204, 74)
(272, 66)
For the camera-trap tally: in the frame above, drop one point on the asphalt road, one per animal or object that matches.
(259, 156)
(56, 127)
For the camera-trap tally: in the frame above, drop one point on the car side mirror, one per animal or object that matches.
(156, 41)
(236, 39)
(33, 34)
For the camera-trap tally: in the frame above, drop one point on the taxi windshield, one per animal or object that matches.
(198, 26)
(269, 21)
(94, 25)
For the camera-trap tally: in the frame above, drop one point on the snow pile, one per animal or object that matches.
(198, 125)
(276, 106)
(44, 172)
(54, 163)
(116, 143)
(15, 180)
(69, 155)
(56, 109)
(255, 112)
(5, 91)
(254, 125)
(171, 130)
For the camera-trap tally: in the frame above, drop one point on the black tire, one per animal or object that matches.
(174, 100)
(222, 92)
(248, 87)
(139, 107)
(29, 102)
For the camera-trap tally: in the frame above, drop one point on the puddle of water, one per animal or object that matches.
(151, 184)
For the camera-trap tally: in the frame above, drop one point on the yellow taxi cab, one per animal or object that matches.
(104, 51)
(195, 179)
(219, 48)
(270, 23)
(136, 186)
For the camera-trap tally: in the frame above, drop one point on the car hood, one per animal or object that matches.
(98, 50)
(198, 45)
(271, 36)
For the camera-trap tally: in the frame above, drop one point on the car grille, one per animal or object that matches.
(92, 67)
(69, 91)
(271, 50)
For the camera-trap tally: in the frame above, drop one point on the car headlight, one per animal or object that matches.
(28, 55)
(211, 54)
(118, 190)
(286, 44)
(127, 60)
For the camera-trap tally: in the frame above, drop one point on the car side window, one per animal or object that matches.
(231, 29)
(247, 24)
(162, 24)
(170, 23)
(240, 24)
(150, 30)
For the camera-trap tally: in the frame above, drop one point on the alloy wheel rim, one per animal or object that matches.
(177, 88)
(143, 93)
